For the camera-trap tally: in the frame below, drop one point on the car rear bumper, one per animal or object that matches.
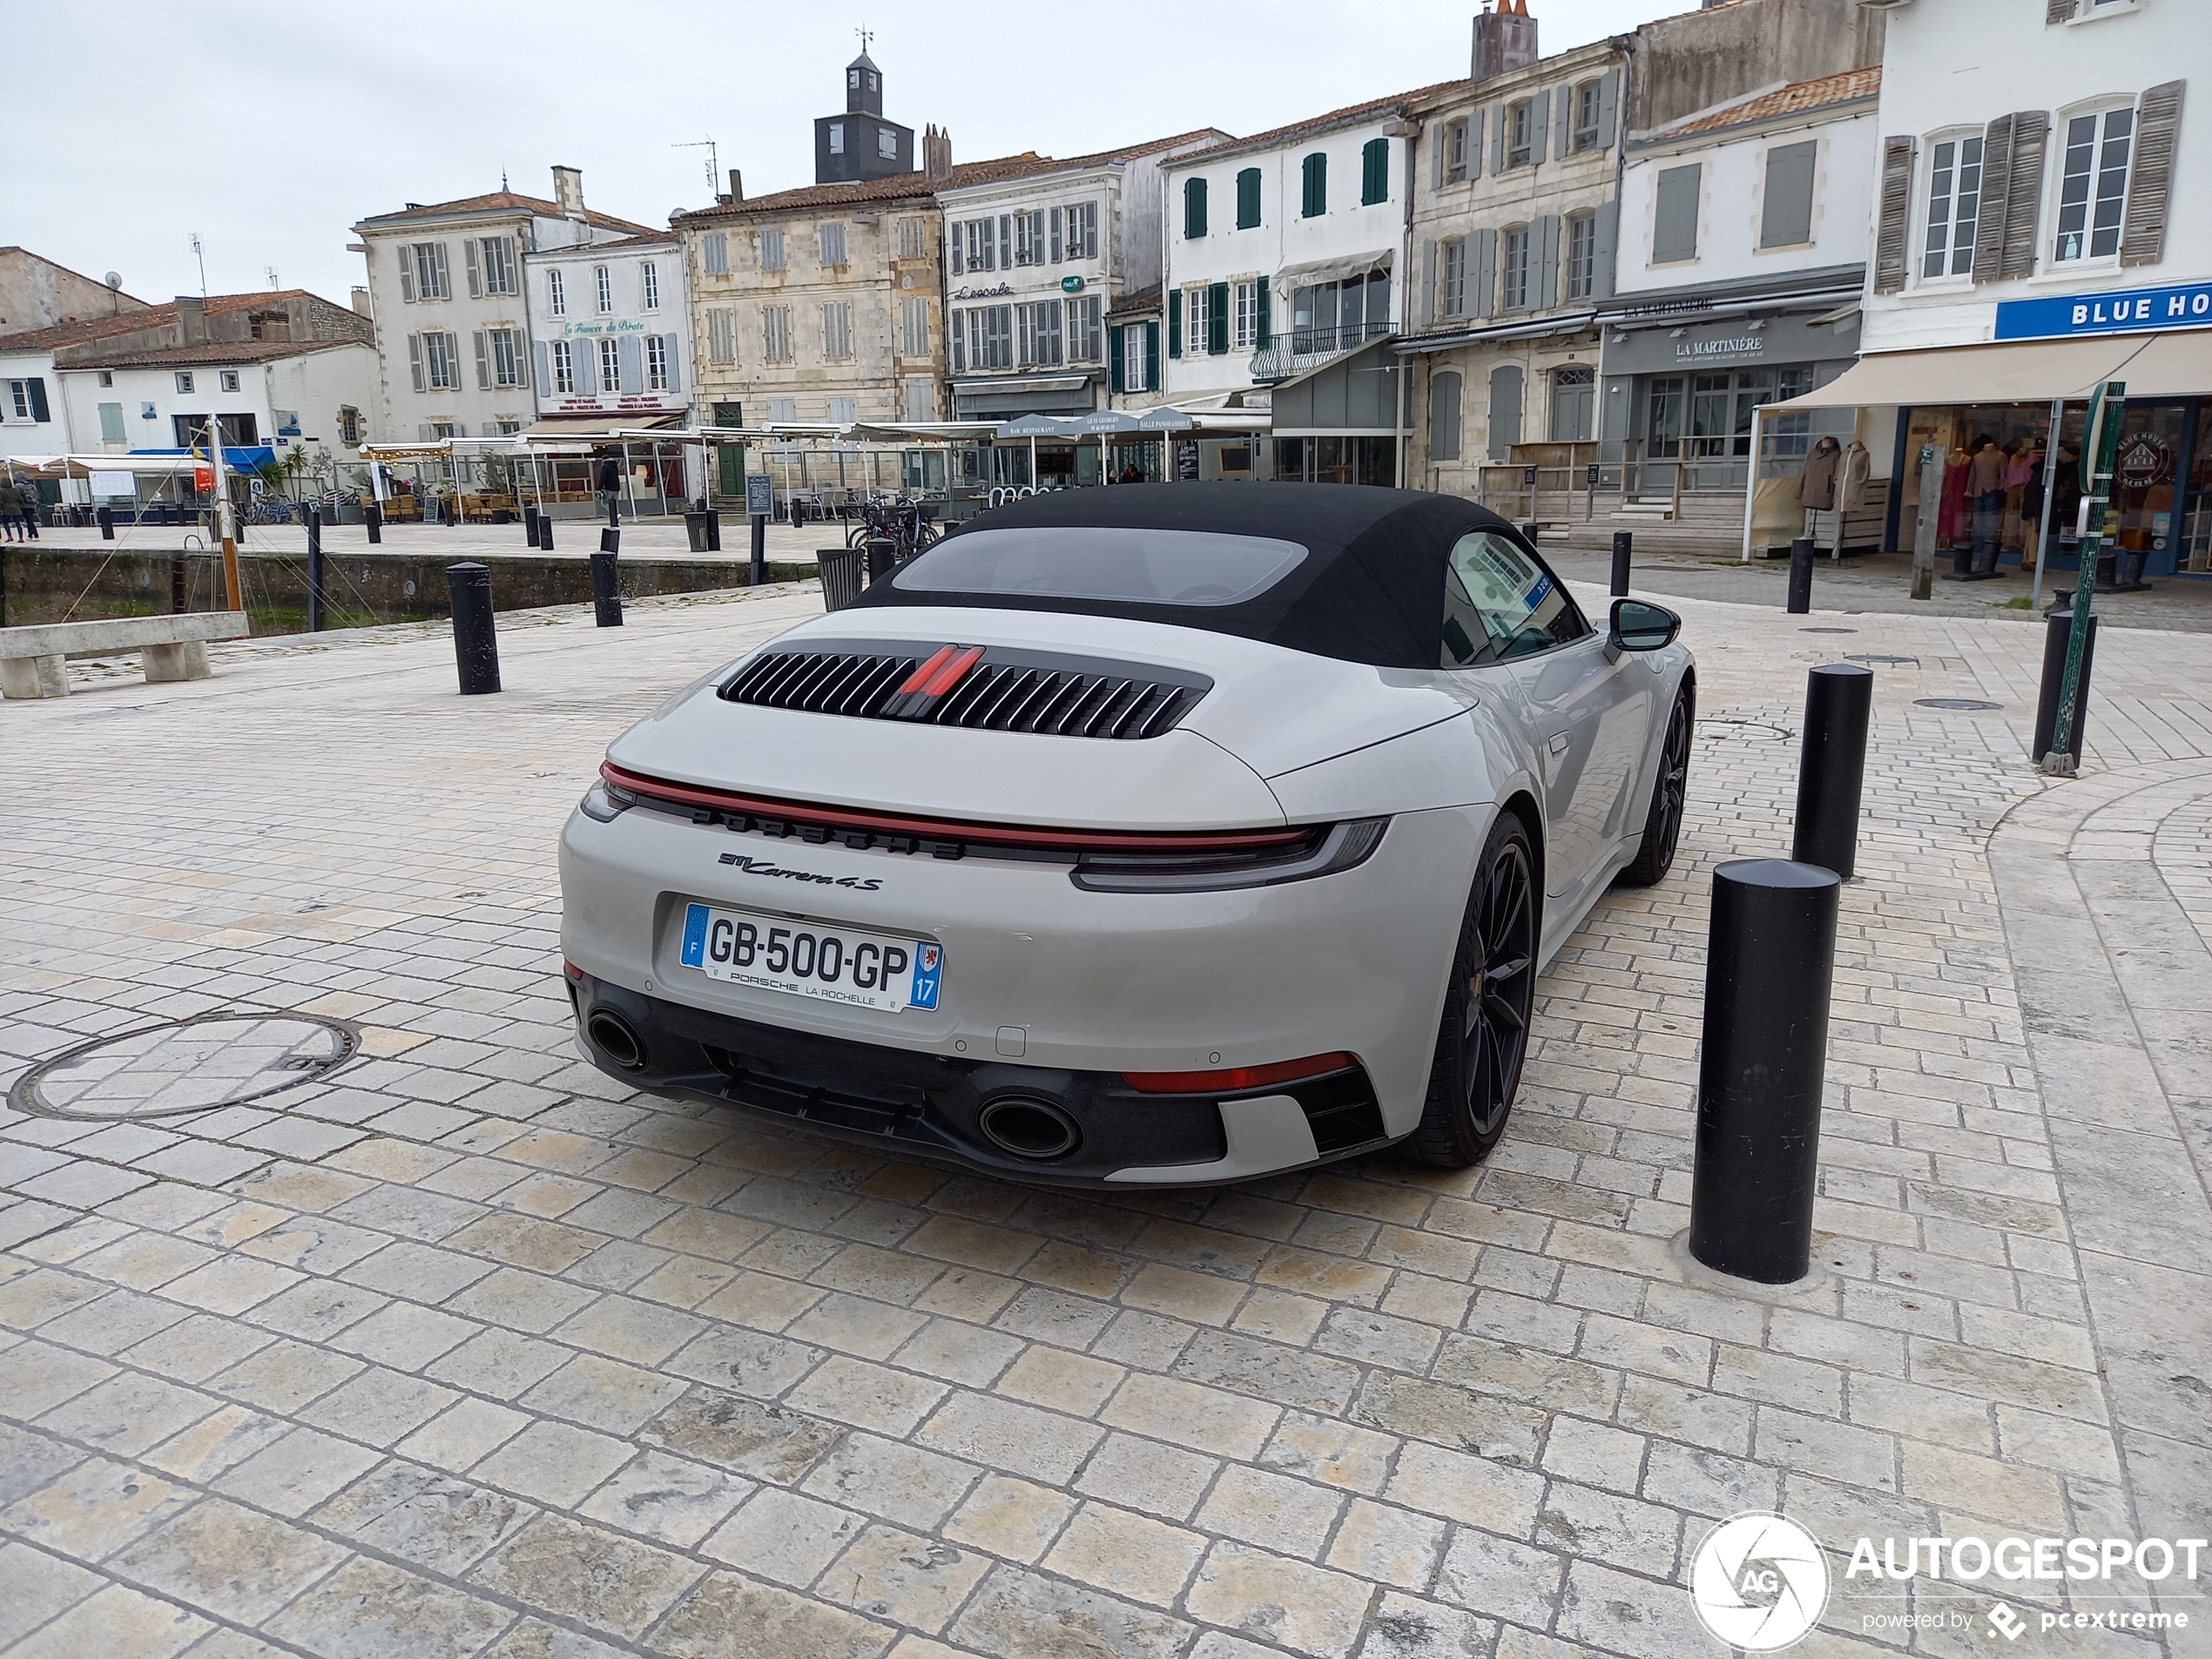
(988, 1115)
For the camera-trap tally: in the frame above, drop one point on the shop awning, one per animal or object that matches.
(2025, 371)
(1313, 273)
(559, 427)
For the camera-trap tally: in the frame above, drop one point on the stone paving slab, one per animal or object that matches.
(472, 1350)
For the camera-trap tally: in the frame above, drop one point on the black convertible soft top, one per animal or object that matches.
(1370, 590)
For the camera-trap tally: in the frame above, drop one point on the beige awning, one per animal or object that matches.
(2177, 364)
(1316, 272)
(559, 427)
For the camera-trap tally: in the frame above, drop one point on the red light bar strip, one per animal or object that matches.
(945, 829)
(916, 680)
(1236, 1077)
(948, 677)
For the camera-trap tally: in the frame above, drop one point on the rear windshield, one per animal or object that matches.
(1127, 566)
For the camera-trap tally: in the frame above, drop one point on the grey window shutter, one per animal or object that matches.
(1540, 121)
(1055, 222)
(521, 358)
(1563, 128)
(1438, 146)
(1504, 409)
(1428, 281)
(1006, 241)
(1608, 96)
(2059, 11)
(584, 359)
(1996, 181)
(438, 262)
(1785, 212)
(1544, 291)
(1498, 139)
(544, 365)
(953, 241)
(483, 360)
(1674, 213)
(2150, 175)
(424, 430)
(630, 352)
(2024, 194)
(1484, 276)
(674, 359)
(1895, 222)
(475, 268)
(1604, 252)
(414, 360)
(407, 272)
(1474, 146)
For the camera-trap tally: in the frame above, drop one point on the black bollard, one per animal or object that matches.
(610, 539)
(606, 584)
(713, 528)
(1839, 698)
(1622, 540)
(373, 520)
(694, 530)
(315, 570)
(476, 645)
(1770, 963)
(107, 523)
(883, 558)
(1529, 530)
(758, 574)
(530, 523)
(2058, 629)
(176, 584)
(1801, 577)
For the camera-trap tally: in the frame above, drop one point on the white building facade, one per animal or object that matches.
(609, 328)
(445, 289)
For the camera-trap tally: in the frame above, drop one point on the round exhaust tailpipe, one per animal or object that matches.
(616, 1039)
(1029, 1128)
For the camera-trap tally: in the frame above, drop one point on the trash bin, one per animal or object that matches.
(840, 575)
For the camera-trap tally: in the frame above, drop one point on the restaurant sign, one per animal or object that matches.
(2182, 305)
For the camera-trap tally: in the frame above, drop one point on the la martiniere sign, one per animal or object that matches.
(2186, 305)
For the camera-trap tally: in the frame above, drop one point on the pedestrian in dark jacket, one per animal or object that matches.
(10, 508)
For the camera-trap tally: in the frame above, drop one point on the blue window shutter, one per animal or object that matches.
(583, 354)
(1152, 354)
(1608, 93)
(37, 386)
(1484, 273)
(1264, 334)
(1119, 381)
(630, 352)
(1174, 322)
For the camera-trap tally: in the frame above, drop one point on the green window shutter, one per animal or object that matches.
(1174, 322)
(36, 385)
(1217, 319)
(1194, 209)
(1262, 335)
(1374, 172)
(1315, 172)
(1248, 199)
(1152, 355)
(1119, 381)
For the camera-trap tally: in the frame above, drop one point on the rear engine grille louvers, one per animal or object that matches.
(986, 689)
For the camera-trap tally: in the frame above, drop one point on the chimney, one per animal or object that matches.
(1504, 40)
(937, 154)
(568, 192)
(191, 320)
(736, 186)
(360, 303)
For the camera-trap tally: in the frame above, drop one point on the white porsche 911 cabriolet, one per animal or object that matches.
(1161, 834)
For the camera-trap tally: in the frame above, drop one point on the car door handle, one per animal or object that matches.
(1558, 742)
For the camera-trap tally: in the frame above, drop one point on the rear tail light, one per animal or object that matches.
(606, 802)
(1322, 850)
(1230, 1079)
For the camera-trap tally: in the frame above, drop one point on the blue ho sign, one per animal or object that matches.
(2185, 304)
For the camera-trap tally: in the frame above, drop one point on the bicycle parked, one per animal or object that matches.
(901, 519)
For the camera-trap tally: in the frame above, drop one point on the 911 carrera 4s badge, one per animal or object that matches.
(832, 964)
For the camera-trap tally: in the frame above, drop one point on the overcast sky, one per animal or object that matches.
(270, 128)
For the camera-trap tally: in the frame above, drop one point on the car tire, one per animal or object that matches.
(1483, 1037)
(1662, 823)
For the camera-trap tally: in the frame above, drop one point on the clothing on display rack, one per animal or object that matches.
(1816, 477)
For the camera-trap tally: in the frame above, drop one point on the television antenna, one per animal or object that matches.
(713, 168)
(270, 271)
(199, 253)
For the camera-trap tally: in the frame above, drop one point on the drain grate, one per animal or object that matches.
(1913, 660)
(1753, 730)
(1827, 630)
(192, 1065)
(1973, 703)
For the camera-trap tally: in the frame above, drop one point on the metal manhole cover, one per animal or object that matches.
(1827, 630)
(192, 1065)
(1913, 660)
(1953, 703)
(1750, 731)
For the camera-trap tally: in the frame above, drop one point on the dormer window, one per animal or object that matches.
(853, 80)
(837, 138)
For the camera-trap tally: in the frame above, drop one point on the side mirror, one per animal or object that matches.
(1638, 626)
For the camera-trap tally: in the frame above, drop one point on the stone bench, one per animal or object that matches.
(32, 659)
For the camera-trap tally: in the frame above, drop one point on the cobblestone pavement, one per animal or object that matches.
(470, 1351)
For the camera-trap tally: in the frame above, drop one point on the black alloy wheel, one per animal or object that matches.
(1662, 823)
(1483, 1037)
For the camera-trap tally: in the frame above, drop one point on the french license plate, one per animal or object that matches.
(836, 964)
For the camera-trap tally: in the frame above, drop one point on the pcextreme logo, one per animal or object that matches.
(1758, 1582)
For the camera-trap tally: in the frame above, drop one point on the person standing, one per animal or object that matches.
(11, 507)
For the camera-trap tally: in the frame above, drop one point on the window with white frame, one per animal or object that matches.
(837, 331)
(980, 240)
(1520, 134)
(721, 335)
(610, 364)
(656, 362)
(440, 361)
(602, 283)
(714, 253)
(557, 292)
(503, 352)
(1135, 365)
(1244, 328)
(649, 279)
(832, 243)
(499, 265)
(1588, 112)
(887, 144)
(982, 338)
(1455, 151)
(775, 333)
(1954, 205)
(782, 411)
(1512, 269)
(1086, 329)
(1582, 255)
(771, 250)
(914, 328)
(185, 380)
(1028, 238)
(2093, 185)
(1452, 289)
(1083, 231)
(562, 355)
(228, 379)
(1041, 340)
(913, 238)
(837, 138)
(430, 281)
